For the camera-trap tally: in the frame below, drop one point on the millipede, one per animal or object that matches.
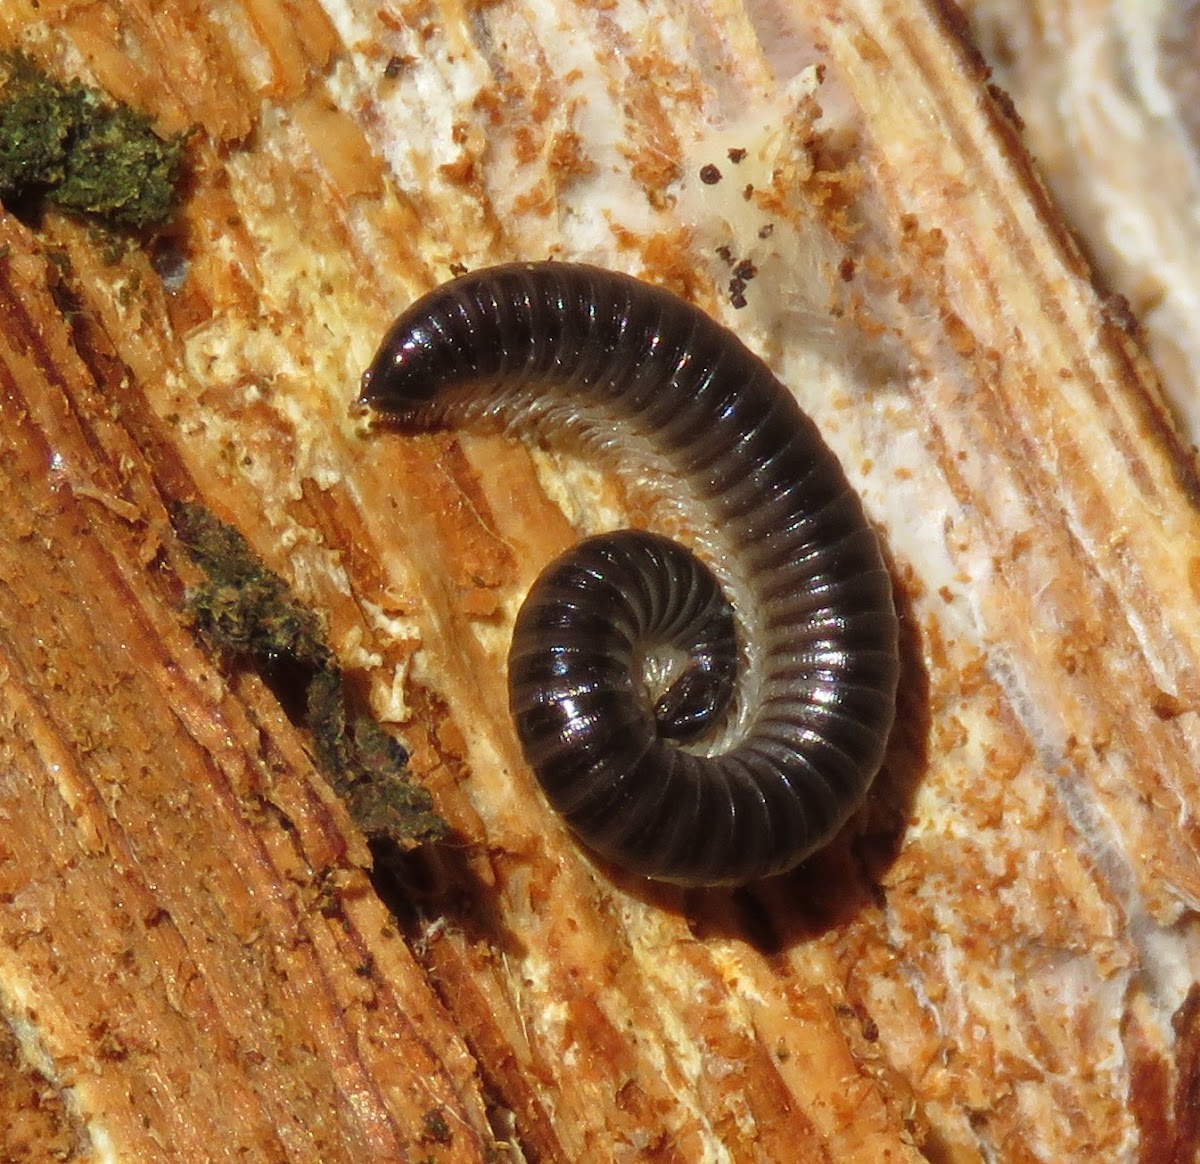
(703, 722)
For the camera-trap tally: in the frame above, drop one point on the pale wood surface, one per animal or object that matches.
(998, 959)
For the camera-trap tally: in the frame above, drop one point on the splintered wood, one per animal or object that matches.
(200, 956)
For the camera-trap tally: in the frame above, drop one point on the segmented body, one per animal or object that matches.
(628, 364)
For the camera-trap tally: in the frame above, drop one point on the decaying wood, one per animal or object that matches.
(1111, 109)
(997, 961)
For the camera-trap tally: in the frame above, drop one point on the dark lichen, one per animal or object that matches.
(437, 1128)
(248, 614)
(242, 606)
(64, 143)
(367, 766)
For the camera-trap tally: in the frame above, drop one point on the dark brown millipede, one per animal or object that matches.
(788, 665)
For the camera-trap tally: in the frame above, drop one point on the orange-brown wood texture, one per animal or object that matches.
(998, 958)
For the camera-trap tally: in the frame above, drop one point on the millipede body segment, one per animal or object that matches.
(687, 732)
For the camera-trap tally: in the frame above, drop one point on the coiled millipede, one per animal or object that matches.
(792, 677)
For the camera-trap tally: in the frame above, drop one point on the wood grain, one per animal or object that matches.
(996, 961)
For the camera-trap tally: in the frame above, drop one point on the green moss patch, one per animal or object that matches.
(247, 612)
(69, 145)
